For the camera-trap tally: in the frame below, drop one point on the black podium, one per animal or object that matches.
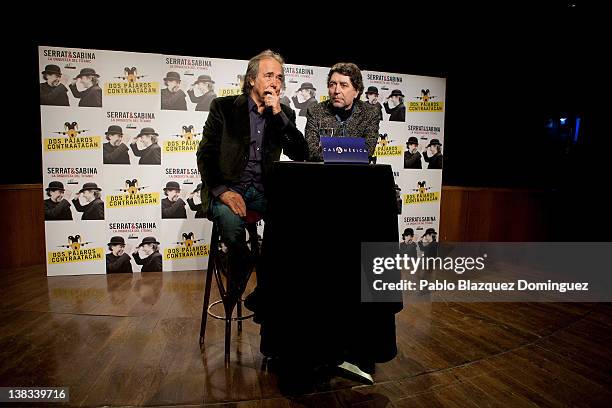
(317, 217)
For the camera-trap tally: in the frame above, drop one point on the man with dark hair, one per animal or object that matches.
(434, 158)
(94, 207)
(173, 97)
(343, 112)
(308, 94)
(53, 91)
(372, 98)
(115, 151)
(147, 254)
(412, 156)
(117, 261)
(173, 205)
(206, 89)
(243, 136)
(408, 246)
(91, 95)
(57, 208)
(397, 111)
(150, 153)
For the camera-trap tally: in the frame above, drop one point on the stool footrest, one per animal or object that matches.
(233, 319)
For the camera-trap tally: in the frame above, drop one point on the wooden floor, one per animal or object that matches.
(123, 340)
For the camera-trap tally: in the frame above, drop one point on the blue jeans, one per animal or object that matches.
(231, 226)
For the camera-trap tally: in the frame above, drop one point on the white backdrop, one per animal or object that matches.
(132, 99)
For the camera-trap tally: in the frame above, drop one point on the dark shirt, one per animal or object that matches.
(173, 100)
(409, 249)
(118, 264)
(152, 263)
(251, 176)
(90, 97)
(174, 209)
(57, 211)
(53, 95)
(435, 161)
(196, 207)
(397, 114)
(412, 160)
(150, 155)
(303, 107)
(91, 211)
(203, 101)
(115, 154)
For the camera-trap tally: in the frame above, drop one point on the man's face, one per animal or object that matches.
(146, 140)
(89, 195)
(269, 79)
(341, 91)
(53, 79)
(173, 84)
(305, 94)
(86, 81)
(408, 238)
(202, 86)
(372, 98)
(118, 250)
(115, 139)
(173, 194)
(56, 195)
(413, 147)
(396, 100)
(432, 149)
(147, 249)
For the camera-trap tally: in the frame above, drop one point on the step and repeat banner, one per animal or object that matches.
(120, 132)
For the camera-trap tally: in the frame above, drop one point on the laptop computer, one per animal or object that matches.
(344, 150)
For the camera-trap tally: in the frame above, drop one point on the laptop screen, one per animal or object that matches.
(344, 150)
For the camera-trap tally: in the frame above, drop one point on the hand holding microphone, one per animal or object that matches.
(272, 101)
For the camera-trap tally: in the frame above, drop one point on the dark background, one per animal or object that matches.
(510, 71)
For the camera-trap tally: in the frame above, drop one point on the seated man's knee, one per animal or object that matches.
(231, 225)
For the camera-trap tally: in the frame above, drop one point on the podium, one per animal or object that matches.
(317, 217)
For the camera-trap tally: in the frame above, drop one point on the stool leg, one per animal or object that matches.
(209, 274)
(229, 309)
(239, 311)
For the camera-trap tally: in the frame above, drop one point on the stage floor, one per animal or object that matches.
(133, 340)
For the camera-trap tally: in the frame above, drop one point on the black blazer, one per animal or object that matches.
(152, 263)
(223, 152)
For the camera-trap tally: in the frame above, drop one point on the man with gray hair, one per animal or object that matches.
(145, 146)
(93, 208)
(243, 136)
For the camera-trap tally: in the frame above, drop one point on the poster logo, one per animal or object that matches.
(131, 84)
(384, 148)
(187, 248)
(424, 130)
(188, 142)
(420, 220)
(72, 139)
(75, 252)
(422, 195)
(132, 197)
(425, 103)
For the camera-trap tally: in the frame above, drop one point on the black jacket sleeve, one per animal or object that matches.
(210, 147)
